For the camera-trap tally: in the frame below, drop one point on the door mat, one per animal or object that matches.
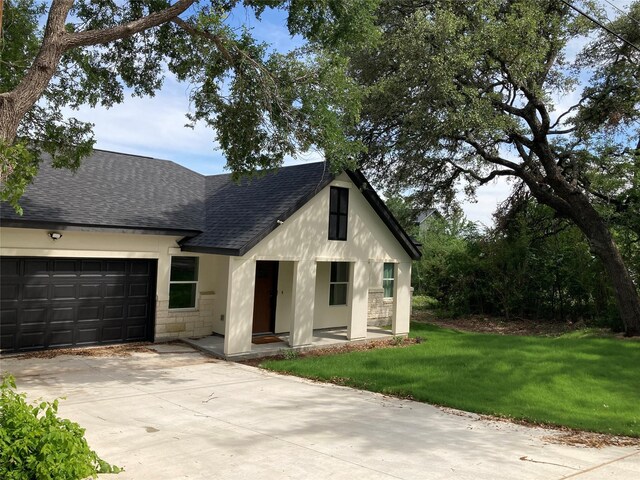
(266, 339)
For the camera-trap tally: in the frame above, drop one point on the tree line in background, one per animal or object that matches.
(529, 265)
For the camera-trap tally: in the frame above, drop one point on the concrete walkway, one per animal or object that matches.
(330, 337)
(177, 414)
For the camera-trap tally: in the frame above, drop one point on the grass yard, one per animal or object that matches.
(584, 383)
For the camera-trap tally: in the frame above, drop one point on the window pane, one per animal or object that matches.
(339, 271)
(388, 288)
(343, 204)
(388, 271)
(338, 294)
(333, 226)
(342, 227)
(182, 295)
(184, 269)
(333, 199)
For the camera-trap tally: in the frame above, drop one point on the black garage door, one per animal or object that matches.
(66, 302)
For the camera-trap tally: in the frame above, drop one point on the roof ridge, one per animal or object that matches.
(273, 169)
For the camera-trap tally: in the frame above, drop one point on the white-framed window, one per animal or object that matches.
(183, 282)
(339, 283)
(388, 279)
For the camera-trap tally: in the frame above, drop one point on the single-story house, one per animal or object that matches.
(131, 248)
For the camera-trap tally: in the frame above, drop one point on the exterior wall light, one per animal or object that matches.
(55, 235)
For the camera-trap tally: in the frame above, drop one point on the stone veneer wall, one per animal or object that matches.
(380, 310)
(186, 323)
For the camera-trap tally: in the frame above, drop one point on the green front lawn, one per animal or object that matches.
(584, 383)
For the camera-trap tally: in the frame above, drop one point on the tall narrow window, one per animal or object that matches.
(339, 283)
(388, 279)
(183, 283)
(338, 213)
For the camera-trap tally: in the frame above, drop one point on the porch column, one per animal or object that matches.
(304, 295)
(359, 283)
(239, 321)
(402, 299)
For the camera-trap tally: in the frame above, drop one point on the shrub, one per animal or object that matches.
(36, 444)
(424, 302)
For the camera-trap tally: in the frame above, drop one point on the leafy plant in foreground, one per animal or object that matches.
(36, 444)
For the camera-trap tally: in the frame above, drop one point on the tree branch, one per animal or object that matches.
(106, 35)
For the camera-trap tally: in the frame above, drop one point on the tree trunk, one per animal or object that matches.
(604, 247)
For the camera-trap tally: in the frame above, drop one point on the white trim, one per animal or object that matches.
(393, 279)
(182, 282)
(337, 259)
(341, 184)
(347, 283)
(275, 258)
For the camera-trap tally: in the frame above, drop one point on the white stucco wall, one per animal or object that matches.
(304, 235)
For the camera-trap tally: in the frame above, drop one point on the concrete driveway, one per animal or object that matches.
(174, 413)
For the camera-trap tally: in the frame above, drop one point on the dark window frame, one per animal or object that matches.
(338, 213)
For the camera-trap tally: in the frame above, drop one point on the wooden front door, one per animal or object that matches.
(265, 296)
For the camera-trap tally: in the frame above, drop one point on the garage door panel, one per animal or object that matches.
(114, 290)
(88, 336)
(8, 316)
(60, 302)
(10, 268)
(63, 314)
(31, 341)
(137, 331)
(139, 311)
(91, 267)
(64, 292)
(64, 268)
(139, 290)
(113, 333)
(60, 338)
(35, 292)
(36, 268)
(114, 312)
(116, 267)
(9, 291)
(89, 312)
(140, 268)
(31, 315)
(90, 290)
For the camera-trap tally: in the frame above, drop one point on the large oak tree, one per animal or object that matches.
(262, 105)
(477, 90)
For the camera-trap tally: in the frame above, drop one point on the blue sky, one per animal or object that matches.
(155, 126)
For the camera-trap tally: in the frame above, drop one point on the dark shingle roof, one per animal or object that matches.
(114, 190)
(214, 214)
(238, 216)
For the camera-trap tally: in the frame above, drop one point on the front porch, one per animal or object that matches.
(332, 337)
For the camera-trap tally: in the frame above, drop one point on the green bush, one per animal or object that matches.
(424, 302)
(36, 444)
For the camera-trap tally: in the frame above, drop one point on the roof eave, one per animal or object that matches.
(87, 227)
(358, 178)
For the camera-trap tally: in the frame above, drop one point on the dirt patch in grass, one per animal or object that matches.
(558, 434)
(500, 326)
(591, 440)
(106, 351)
